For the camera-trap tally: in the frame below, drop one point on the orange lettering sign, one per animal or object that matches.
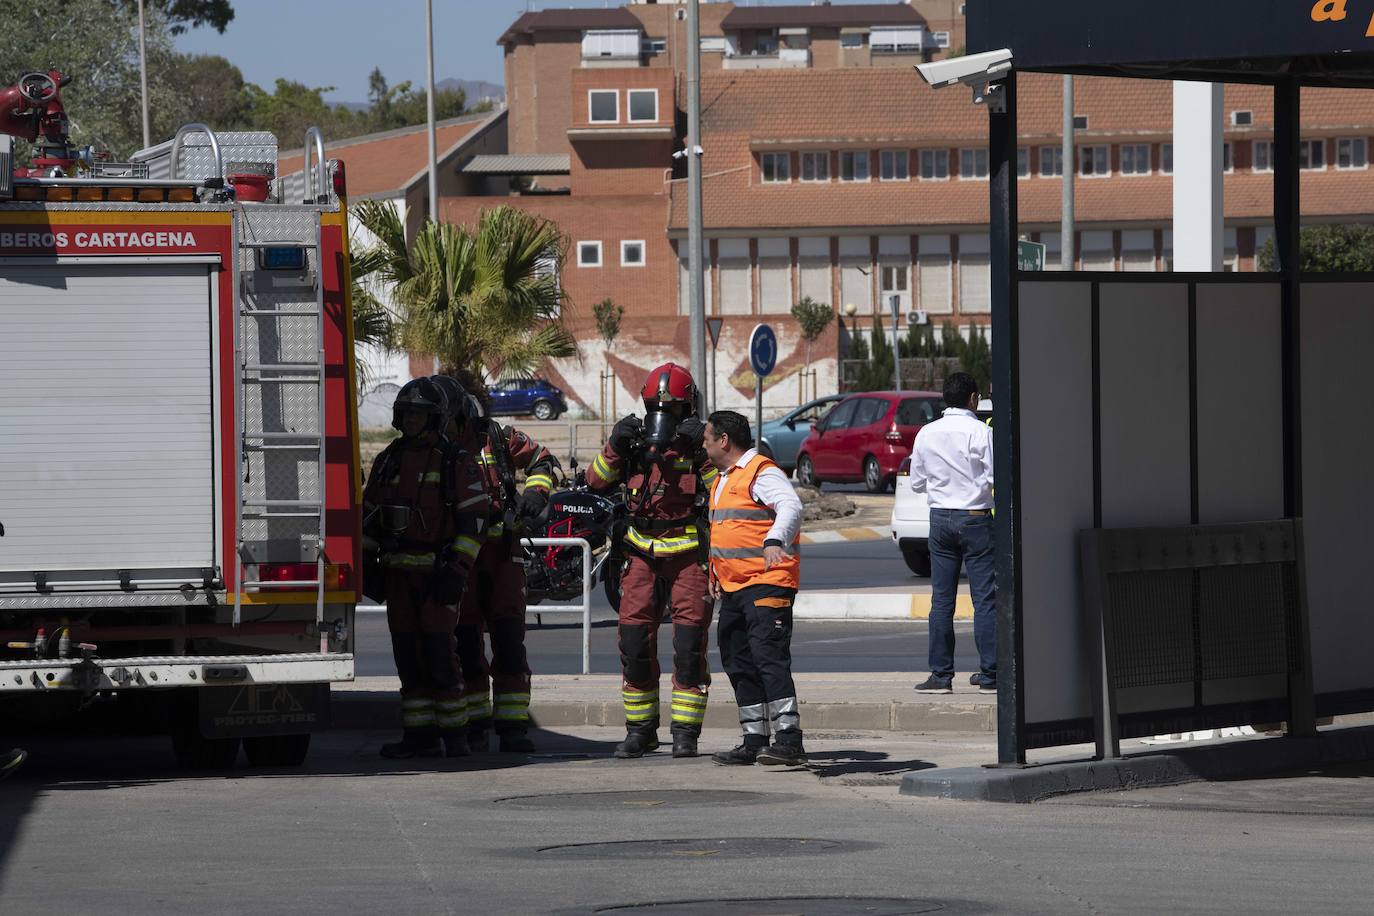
(1329, 11)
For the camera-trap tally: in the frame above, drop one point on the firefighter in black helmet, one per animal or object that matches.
(424, 512)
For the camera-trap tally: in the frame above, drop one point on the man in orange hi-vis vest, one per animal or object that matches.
(755, 572)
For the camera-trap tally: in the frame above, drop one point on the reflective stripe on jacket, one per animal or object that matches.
(739, 526)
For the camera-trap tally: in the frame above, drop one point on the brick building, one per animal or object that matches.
(832, 171)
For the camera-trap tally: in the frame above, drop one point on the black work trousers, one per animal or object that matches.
(755, 639)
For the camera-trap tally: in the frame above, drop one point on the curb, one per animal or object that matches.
(382, 710)
(840, 535)
(870, 606)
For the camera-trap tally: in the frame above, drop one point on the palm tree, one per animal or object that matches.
(373, 322)
(485, 298)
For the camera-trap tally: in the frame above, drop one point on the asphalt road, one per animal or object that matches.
(555, 647)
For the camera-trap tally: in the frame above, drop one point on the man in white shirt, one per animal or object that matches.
(952, 464)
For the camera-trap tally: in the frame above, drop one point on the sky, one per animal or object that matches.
(338, 42)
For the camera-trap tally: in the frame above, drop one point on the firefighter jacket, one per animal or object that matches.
(663, 498)
(445, 507)
(540, 466)
(740, 524)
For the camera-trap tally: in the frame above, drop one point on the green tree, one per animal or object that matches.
(812, 318)
(187, 14)
(373, 322)
(400, 106)
(608, 316)
(1328, 249)
(873, 360)
(292, 107)
(486, 298)
(216, 91)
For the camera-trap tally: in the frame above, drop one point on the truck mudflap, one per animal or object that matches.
(255, 710)
(92, 675)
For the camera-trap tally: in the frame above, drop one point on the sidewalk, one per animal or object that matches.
(869, 702)
(889, 602)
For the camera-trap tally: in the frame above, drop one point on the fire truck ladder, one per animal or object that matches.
(262, 380)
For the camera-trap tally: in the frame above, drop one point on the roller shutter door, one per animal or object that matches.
(107, 449)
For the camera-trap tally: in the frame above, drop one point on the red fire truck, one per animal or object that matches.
(179, 475)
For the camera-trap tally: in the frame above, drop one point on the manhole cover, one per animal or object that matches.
(783, 906)
(644, 799)
(710, 848)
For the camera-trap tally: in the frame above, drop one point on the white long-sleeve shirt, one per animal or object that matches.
(772, 489)
(952, 461)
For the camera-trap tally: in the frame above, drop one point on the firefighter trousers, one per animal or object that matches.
(497, 692)
(684, 591)
(422, 644)
(755, 638)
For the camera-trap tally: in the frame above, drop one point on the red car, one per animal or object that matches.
(865, 437)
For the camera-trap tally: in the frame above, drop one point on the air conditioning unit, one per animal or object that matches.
(920, 317)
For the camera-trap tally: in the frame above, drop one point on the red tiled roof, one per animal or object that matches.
(384, 162)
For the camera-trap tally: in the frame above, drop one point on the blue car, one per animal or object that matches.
(783, 437)
(520, 397)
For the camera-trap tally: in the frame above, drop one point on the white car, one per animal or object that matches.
(911, 515)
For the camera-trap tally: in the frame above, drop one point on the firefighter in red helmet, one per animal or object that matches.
(667, 475)
(424, 514)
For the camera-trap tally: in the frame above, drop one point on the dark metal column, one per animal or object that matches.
(1011, 707)
(1288, 251)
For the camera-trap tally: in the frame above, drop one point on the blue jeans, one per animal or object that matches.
(957, 538)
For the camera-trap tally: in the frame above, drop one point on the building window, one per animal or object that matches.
(654, 46)
(1263, 155)
(643, 105)
(588, 254)
(711, 44)
(854, 165)
(1051, 161)
(894, 165)
(1350, 153)
(1228, 160)
(935, 282)
(1080, 122)
(777, 167)
(941, 39)
(1094, 161)
(616, 44)
(1242, 118)
(1022, 162)
(1312, 154)
(632, 253)
(603, 106)
(1166, 158)
(934, 164)
(1135, 159)
(895, 40)
(973, 163)
(852, 40)
(815, 166)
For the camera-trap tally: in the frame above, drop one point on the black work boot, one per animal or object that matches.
(637, 742)
(415, 742)
(478, 740)
(783, 755)
(515, 742)
(455, 743)
(745, 755)
(685, 742)
(12, 760)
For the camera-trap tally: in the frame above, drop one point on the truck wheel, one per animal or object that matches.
(917, 559)
(544, 410)
(196, 752)
(277, 750)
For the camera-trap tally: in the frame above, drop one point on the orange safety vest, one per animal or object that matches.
(739, 525)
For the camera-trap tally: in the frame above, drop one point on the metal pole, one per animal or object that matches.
(695, 279)
(714, 387)
(1066, 245)
(896, 301)
(758, 408)
(143, 76)
(429, 112)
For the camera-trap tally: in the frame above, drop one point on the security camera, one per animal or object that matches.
(971, 69)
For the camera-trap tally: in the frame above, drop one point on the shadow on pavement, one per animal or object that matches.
(829, 764)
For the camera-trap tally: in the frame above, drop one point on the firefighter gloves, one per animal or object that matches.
(693, 432)
(533, 503)
(625, 436)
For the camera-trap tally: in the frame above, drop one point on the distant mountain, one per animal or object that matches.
(475, 90)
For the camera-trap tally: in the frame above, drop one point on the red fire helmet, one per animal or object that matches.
(670, 388)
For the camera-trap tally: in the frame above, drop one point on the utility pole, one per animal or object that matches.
(143, 75)
(695, 278)
(429, 112)
(1066, 245)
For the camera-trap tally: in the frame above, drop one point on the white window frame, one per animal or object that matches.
(1228, 157)
(972, 155)
(613, 93)
(1023, 157)
(1135, 172)
(935, 155)
(1166, 159)
(629, 106)
(1055, 154)
(855, 156)
(1255, 147)
(895, 40)
(1364, 153)
(599, 260)
(1091, 151)
(941, 39)
(814, 156)
(1308, 146)
(785, 158)
(850, 37)
(643, 253)
(897, 155)
(654, 45)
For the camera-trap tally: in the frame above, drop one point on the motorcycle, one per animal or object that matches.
(555, 573)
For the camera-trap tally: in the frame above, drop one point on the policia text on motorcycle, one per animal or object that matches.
(755, 573)
(667, 476)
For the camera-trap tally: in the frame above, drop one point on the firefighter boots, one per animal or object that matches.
(745, 755)
(455, 743)
(637, 743)
(515, 743)
(415, 742)
(684, 744)
(782, 755)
